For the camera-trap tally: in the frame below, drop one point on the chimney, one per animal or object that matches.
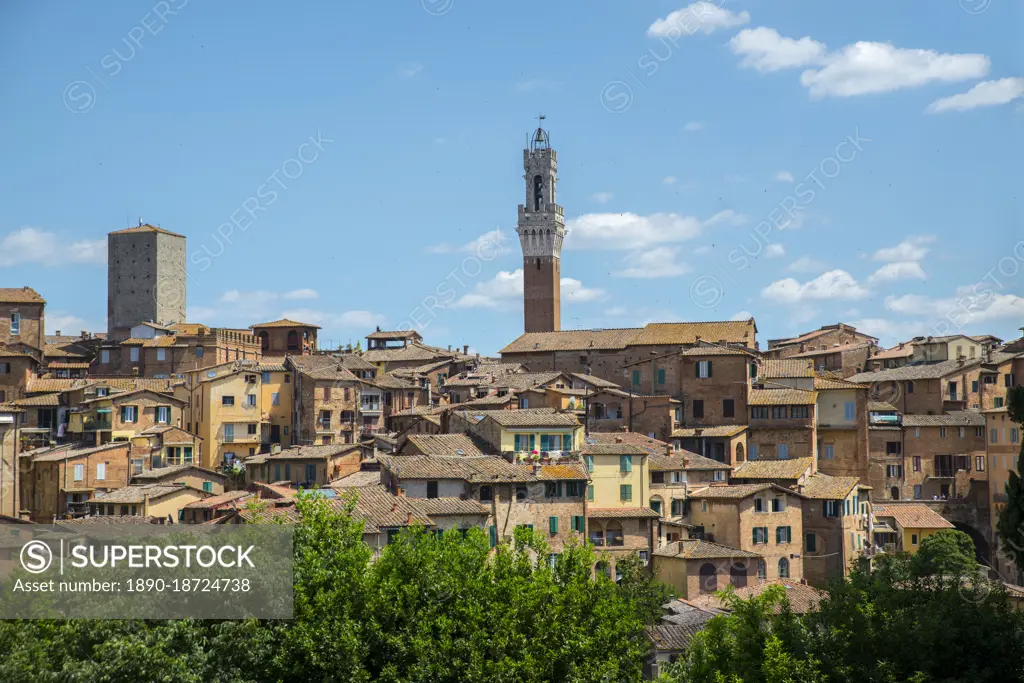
(465, 349)
(682, 546)
(669, 451)
(686, 461)
(58, 333)
(394, 506)
(408, 518)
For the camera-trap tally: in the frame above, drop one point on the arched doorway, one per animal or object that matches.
(708, 578)
(894, 493)
(738, 574)
(982, 549)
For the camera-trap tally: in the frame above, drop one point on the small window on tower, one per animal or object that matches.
(538, 192)
(538, 264)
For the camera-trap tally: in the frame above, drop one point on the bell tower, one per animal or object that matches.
(541, 228)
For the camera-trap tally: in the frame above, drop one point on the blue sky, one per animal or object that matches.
(802, 162)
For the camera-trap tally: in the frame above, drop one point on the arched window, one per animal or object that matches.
(783, 568)
(762, 570)
(293, 340)
(738, 574)
(264, 341)
(613, 533)
(894, 493)
(601, 569)
(708, 578)
(538, 192)
(739, 452)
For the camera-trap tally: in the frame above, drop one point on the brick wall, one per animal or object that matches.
(33, 325)
(801, 440)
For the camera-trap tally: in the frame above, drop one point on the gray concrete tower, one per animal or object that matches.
(145, 278)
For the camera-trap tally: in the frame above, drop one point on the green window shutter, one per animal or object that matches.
(590, 492)
(626, 463)
(494, 535)
(636, 378)
(533, 442)
(661, 376)
(625, 492)
(558, 489)
(755, 535)
(567, 442)
(518, 445)
(589, 459)
(545, 442)
(709, 369)
(553, 524)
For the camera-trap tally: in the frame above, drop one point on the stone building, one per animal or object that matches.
(286, 337)
(145, 278)
(697, 567)
(782, 424)
(1003, 437)
(541, 229)
(57, 481)
(22, 319)
(307, 467)
(827, 337)
(164, 351)
(835, 515)
(327, 400)
(764, 519)
(607, 354)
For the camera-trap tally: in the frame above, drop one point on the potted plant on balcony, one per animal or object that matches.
(535, 456)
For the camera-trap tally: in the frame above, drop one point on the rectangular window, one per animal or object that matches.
(636, 378)
(979, 463)
(831, 508)
(812, 543)
(229, 432)
(208, 486)
(590, 492)
(625, 493)
(227, 400)
(589, 460)
(625, 463)
(779, 412)
(913, 539)
(799, 412)
(1014, 435)
(553, 525)
(275, 399)
(661, 376)
(15, 323)
(129, 414)
(134, 354)
(993, 435)
(910, 387)
(698, 409)
(79, 472)
(917, 492)
(759, 505)
(997, 402)
(163, 415)
(850, 410)
(251, 429)
(783, 451)
(893, 448)
(894, 471)
(974, 386)
(752, 452)
(101, 470)
(917, 463)
(759, 412)
(552, 489)
(783, 534)
(104, 356)
(942, 432)
(703, 369)
(728, 407)
(760, 535)
(778, 504)
(431, 489)
(828, 451)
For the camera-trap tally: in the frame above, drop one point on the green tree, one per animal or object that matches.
(947, 552)
(1010, 525)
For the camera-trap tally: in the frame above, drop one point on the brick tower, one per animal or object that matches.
(145, 278)
(541, 229)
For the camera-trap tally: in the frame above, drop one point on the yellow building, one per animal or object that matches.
(161, 501)
(619, 475)
(521, 432)
(902, 526)
(236, 408)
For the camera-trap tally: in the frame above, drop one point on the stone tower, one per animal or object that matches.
(541, 229)
(145, 278)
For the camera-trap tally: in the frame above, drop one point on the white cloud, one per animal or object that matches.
(693, 126)
(410, 70)
(669, 180)
(864, 68)
(898, 270)
(354, 319)
(806, 264)
(742, 315)
(486, 246)
(200, 314)
(984, 94)
(972, 304)
(66, 324)
(616, 311)
(889, 332)
(629, 230)
(774, 251)
(911, 249)
(300, 294)
(784, 177)
(701, 250)
(699, 16)
(33, 246)
(834, 284)
(505, 292)
(601, 197)
(653, 263)
(860, 68)
(765, 50)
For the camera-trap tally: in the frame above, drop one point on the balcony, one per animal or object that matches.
(324, 427)
(98, 424)
(370, 407)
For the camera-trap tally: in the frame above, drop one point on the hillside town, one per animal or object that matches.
(715, 457)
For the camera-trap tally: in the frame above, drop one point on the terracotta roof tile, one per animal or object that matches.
(622, 513)
(533, 417)
(957, 418)
(137, 494)
(781, 397)
(684, 460)
(832, 349)
(450, 506)
(445, 444)
(773, 369)
(145, 227)
(772, 469)
(674, 637)
(732, 331)
(912, 515)
(285, 322)
(824, 487)
(236, 498)
(695, 549)
(649, 444)
(20, 295)
(737, 491)
(715, 431)
(572, 340)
